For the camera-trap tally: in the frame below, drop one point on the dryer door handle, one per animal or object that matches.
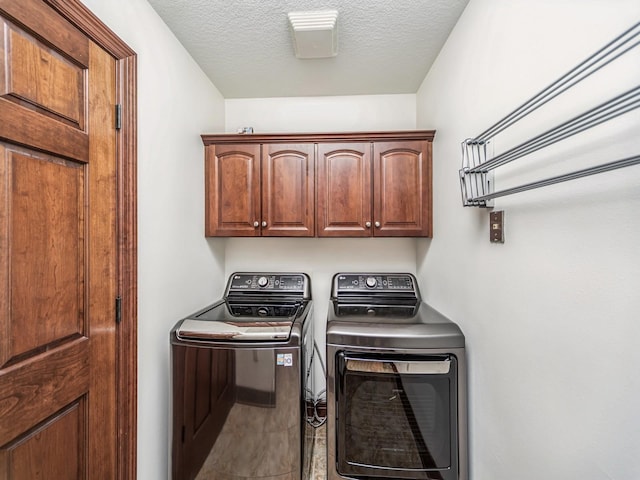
(428, 367)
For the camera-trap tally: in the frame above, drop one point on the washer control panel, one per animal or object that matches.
(268, 283)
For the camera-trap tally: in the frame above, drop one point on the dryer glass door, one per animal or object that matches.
(396, 416)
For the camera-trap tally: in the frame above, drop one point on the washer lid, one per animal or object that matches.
(241, 322)
(234, 331)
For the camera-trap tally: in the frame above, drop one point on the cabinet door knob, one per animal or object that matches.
(377, 224)
(367, 224)
(256, 224)
(264, 224)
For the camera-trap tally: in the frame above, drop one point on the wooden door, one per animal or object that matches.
(288, 190)
(344, 190)
(402, 198)
(58, 272)
(232, 190)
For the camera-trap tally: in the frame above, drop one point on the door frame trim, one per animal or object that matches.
(126, 176)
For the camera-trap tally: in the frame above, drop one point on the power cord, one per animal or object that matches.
(318, 420)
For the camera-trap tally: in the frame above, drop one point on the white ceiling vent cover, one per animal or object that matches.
(314, 33)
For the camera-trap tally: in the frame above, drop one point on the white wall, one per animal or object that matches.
(321, 257)
(356, 113)
(551, 316)
(178, 270)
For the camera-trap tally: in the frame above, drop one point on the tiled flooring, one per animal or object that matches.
(319, 461)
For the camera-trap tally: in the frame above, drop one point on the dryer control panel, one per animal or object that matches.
(374, 284)
(374, 281)
(375, 294)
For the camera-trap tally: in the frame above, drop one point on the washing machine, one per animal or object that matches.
(396, 383)
(242, 382)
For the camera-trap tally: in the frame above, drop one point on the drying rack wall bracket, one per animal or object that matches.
(475, 184)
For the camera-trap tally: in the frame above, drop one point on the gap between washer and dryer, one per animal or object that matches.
(319, 454)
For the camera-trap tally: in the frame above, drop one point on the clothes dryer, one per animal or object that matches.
(396, 383)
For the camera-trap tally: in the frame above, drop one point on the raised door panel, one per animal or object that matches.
(44, 451)
(43, 93)
(402, 195)
(288, 190)
(38, 77)
(344, 190)
(232, 190)
(44, 220)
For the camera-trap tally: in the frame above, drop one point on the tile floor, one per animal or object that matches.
(319, 460)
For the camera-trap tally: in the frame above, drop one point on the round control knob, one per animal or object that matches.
(371, 282)
(371, 312)
(263, 312)
(263, 282)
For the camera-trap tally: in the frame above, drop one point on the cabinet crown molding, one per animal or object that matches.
(400, 135)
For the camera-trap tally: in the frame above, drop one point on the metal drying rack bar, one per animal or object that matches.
(476, 174)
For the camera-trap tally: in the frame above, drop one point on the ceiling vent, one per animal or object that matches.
(314, 33)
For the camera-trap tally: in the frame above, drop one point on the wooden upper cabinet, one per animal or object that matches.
(288, 190)
(326, 185)
(254, 190)
(386, 193)
(232, 190)
(402, 189)
(344, 190)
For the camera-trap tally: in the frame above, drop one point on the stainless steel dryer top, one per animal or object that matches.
(385, 310)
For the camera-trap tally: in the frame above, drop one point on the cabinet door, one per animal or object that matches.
(232, 190)
(344, 190)
(288, 190)
(402, 196)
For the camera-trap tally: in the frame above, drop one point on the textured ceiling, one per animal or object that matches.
(245, 47)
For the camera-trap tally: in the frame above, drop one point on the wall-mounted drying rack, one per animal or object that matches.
(477, 172)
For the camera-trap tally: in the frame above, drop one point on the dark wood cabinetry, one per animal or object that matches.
(232, 190)
(257, 190)
(402, 203)
(380, 189)
(344, 206)
(288, 185)
(326, 185)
